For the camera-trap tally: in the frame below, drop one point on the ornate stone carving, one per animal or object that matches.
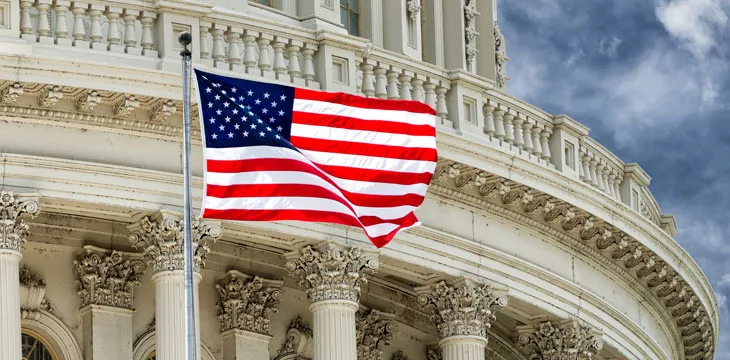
(299, 342)
(373, 330)
(162, 110)
(399, 355)
(32, 295)
(88, 101)
(14, 210)
(247, 303)
(107, 278)
(161, 238)
(564, 340)
(414, 9)
(10, 94)
(470, 32)
(50, 96)
(331, 271)
(500, 57)
(126, 105)
(434, 353)
(463, 308)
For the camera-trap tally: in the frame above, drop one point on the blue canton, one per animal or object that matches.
(237, 112)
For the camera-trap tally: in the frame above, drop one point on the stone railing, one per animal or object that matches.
(142, 33)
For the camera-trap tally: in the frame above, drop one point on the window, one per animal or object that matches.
(33, 347)
(569, 158)
(264, 2)
(350, 16)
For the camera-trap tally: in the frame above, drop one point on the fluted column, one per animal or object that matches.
(332, 275)
(245, 306)
(559, 340)
(463, 312)
(106, 282)
(14, 210)
(160, 238)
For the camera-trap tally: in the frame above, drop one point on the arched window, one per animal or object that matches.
(34, 347)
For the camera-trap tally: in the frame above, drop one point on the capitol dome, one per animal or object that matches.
(537, 242)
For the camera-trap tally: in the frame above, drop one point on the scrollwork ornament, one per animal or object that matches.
(14, 212)
(107, 279)
(372, 334)
(564, 341)
(247, 304)
(414, 9)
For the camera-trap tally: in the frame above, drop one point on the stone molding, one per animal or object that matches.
(15, 209)
(331, 271)
(160, 237)
(559, 340)
(462, 308)
(247, 302)
(373, 330)
(299, 343)
(107, 278)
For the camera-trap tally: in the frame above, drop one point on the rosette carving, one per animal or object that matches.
(331, 271)
(14, 211)
(247, 303)
(565, 340)
(463, 308)
(107, 278)
(373, 331)
(161, 239)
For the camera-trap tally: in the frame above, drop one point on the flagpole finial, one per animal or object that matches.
(185, 39)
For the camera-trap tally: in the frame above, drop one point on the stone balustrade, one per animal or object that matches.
(600, 168)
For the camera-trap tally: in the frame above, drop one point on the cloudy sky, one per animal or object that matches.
(651, 80)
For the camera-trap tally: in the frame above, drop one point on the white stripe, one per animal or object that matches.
(361, 136)
(332, 109)
(283, 203)
(355, 161)
(298, 177)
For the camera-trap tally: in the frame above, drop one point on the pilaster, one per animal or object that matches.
(14, 231)
(333, 275)
(245, 306)
(106, 281)
(559, 340)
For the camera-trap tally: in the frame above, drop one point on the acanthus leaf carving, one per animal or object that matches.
(88, 101)
(247, 303)
(500, 57)
(126, 105)
(414, 9)
(107, 278)
(470, 33)
(563, 340)
(373, 330)
(10, 94)
(50, 96)
(14, 211)
(162, 110)
(299, 342)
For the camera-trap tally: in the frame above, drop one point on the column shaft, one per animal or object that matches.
(170, 314)
(334, 330)
(9, 305)
(463, 348)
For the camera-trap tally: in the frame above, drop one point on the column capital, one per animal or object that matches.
(247, 302)
(462, 308)
(14, 210)
(331, 271)
(558, 340)
(299, 340)
(107, 277)
(374, 330)
(160, 237)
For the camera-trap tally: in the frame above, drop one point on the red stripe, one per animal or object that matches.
(309, 190)
(354, 148)
(343, 122)
(305, 215)
(363, 102)
(341, 172)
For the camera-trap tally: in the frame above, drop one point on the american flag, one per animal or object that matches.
(275, 152)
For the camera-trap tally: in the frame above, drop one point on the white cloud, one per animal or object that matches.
(609, 45)
(724, 280)
(721, 300)
(695, 23)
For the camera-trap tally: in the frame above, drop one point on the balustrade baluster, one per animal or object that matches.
(488, 110)
(509, 132)
(592, 166)
(526, 134)
(611, 184)
(536, 145)
(599, 175)
(442, 110)
(606, 187)
(146, 18)
(499, 123)
(430, 90)
(294, 69)
(518, 121)
(367, 88)
(233, 38)
(405, 86)
(44, 26)
(130, 32)
(26, 25)
(544, 136)
(586, 171)
(204, 28)
(264, 42)
(219, 52)
(308, 63)
(617, 185)
(393, 92)
(95, 12)
(279, 63)
(79, 31)
(358, 76)
(113, 37)
(249, 52)
(417, 84)
(61, 31)
(381, 83)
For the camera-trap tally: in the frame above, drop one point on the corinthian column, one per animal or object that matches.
(160, 238)
(463, 312)
(14, 210)
(559, 340)
(245, 306)
(106, 281)
(332, 275)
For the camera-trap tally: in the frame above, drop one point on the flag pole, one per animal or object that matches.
(190, 329)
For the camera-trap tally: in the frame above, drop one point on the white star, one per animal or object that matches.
(250, 113)
(272, 119)
(217, 97)
(261, 134)
(226, 104)
(259, 121)
(281, 112)
(217, 85)
(253, 126)
(283, 97)
(214, 136)
(234, 90)
(258, 101)
(244, 119)
(266, 95)
(279, 128)
(230, 135)
(222, 127)
(218, 111)
(278, 137)
(248, 107)
(228, 119)
(236, 126)
(250, 93)
(212, 120)
(273, 104)
(210, 105)
(264, 110)
(245, 134)
(235, 111)
(208, 90)
(268, 128)
(223, 91)
(241, 98)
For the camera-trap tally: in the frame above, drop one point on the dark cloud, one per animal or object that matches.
(651, 81)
